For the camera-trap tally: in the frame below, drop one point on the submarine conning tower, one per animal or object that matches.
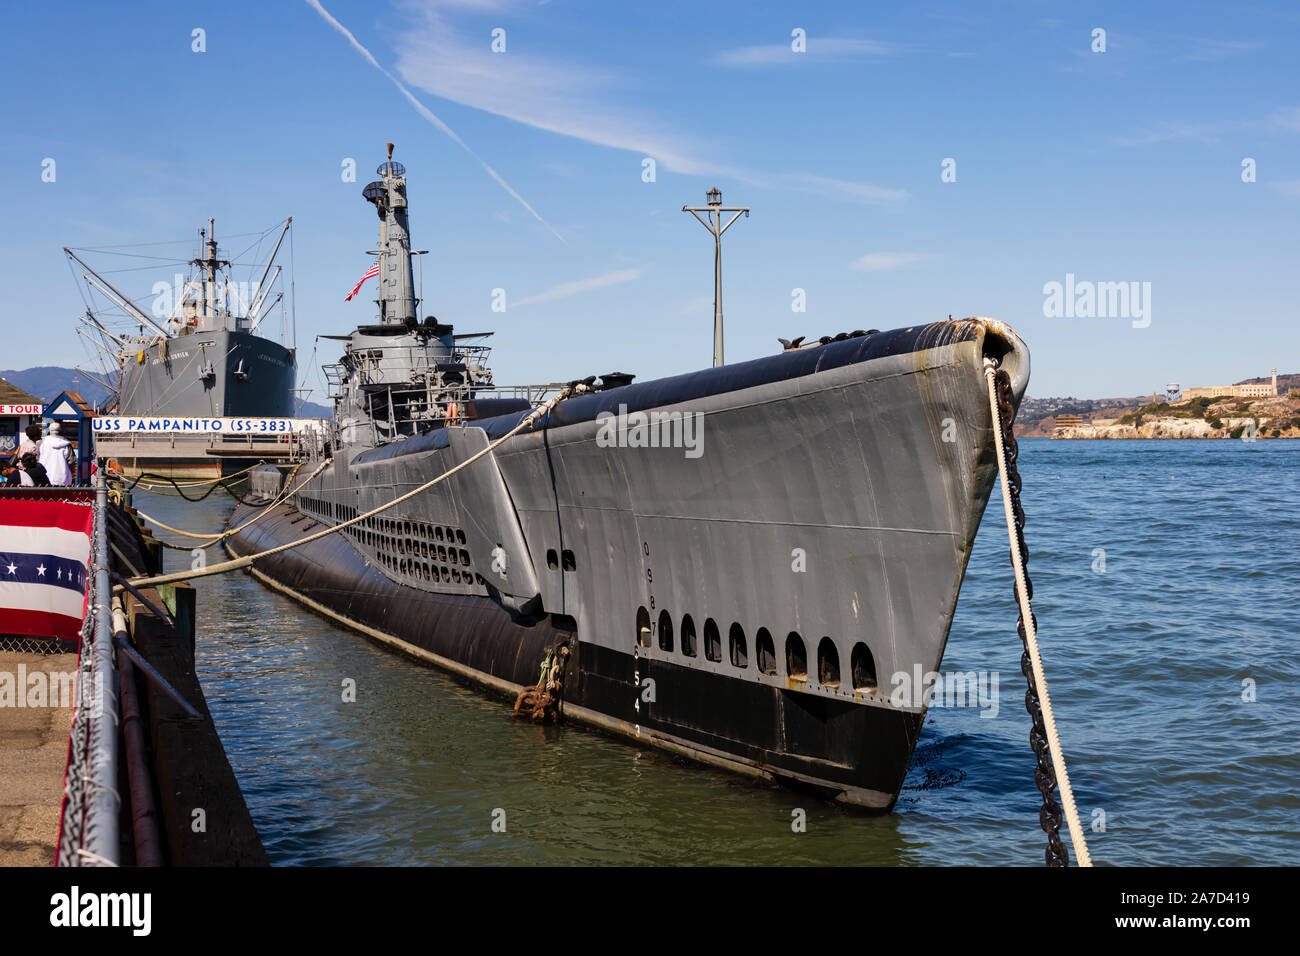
(401, 377)
(396, 282)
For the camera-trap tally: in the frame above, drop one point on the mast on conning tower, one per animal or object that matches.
(396, 282)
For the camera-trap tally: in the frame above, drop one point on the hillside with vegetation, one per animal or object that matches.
(1219, 417)
(1274, 417)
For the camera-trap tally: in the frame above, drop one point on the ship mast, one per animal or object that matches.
(396, 282)
(208, 265)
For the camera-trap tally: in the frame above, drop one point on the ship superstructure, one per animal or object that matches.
(203, 358)
(728, 564)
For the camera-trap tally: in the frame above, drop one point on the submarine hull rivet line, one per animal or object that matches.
(1051, 771)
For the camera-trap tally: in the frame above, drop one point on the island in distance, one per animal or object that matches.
(1267, 407)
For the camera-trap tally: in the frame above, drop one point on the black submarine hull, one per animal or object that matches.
(837, 750)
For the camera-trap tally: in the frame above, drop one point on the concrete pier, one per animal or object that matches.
(33, 753)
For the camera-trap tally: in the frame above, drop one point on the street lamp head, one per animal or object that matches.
(715, 196)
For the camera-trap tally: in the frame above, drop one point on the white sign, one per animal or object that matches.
(20, 409)
(212, 426)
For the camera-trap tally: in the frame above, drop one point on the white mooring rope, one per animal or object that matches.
(243, 562)
(1031, 635)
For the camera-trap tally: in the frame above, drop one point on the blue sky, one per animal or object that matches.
(1115, 166)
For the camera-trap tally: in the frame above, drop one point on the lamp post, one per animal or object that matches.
(713, 223)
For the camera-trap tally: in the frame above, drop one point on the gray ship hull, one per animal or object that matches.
(205, 374)
(745, 607)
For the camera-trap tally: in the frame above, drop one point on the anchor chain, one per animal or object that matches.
(544, 701)
(1049, 815)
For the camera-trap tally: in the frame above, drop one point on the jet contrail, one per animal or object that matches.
(428, 114)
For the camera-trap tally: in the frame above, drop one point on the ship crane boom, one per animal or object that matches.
(269, 306)
(103, 285)
(98, 326)
(261, 287)
(262, 292)
(98, 344)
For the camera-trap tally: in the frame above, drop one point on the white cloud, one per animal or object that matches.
(1171, 132)
(575, 101)
(1286, 119)
(566, 289)
(427, 113)
(1205, 50)
(819, 49)
(861, 191)
(880, 261)
(434, 56)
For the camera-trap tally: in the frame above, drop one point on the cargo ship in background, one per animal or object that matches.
(726, 564)
(204, 360)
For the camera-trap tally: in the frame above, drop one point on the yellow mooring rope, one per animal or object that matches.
(243, 562)
(198, 483)
(221, 536)
(1031, 635)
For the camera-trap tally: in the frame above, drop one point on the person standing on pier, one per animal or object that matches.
(54, 457)
(31, 442)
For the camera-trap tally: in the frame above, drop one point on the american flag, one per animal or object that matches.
(44, 553)
(370, 274)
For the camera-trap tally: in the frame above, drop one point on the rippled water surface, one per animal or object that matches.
(1147, 662)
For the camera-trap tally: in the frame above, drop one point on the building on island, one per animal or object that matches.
(1068, 421)
(1264, 390)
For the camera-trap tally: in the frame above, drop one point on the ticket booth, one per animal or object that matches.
(18, 409)
(76, 418)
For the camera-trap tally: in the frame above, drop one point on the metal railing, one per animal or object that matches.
(88, 835)
(207, 446)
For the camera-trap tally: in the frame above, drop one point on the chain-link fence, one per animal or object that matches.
(76, 782)
(21, 644)
(89, 829)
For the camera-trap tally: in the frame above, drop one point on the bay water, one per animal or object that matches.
(1167, 589)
